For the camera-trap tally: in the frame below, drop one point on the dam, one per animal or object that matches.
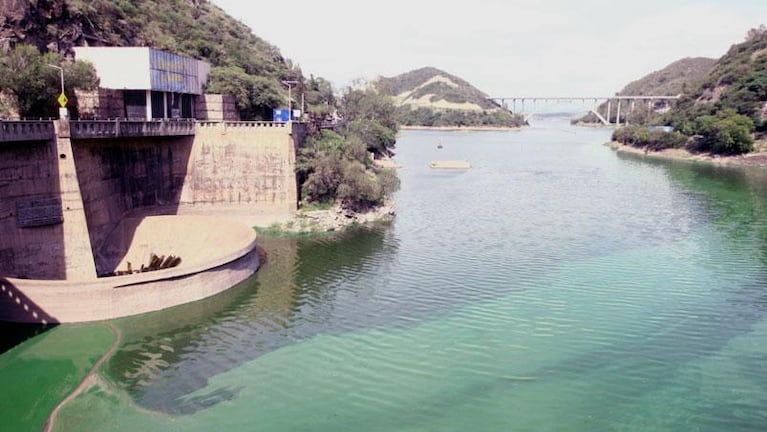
(80, 200)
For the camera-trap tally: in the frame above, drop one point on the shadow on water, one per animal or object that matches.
(15, 303)
(13, 334)
(166, 356)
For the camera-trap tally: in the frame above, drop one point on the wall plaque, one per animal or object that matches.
(39, 212)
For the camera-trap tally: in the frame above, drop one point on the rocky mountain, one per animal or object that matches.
(672, 79)
(432, 97)
(195, 28)
(738, 80)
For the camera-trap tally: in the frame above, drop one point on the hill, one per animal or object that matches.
(738, 82)
(195, 28)
(724, 112)
(672, 80)
(431, 97)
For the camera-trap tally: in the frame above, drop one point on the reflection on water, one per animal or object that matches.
(168, 355)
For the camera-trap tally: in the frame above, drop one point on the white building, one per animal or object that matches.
(142, 83)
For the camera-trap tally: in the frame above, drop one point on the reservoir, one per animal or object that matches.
(555, 285)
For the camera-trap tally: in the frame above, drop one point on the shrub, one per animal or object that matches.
(640, 136)
(727, 132)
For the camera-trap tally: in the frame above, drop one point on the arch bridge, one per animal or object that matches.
(606, 116)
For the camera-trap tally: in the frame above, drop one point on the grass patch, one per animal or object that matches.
(305, 229)
(312, 206)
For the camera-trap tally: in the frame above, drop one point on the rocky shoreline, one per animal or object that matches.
(334, 219)
(755, 159)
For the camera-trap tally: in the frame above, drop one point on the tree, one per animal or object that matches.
(754, 33)
(254, 96)
(379, 139)
(725, 132)
(318, 96)
(371, 117)
(33, 86)
(332, 167)
(361, 104)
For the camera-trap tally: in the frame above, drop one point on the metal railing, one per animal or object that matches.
(117, 128)
(37, 130)
(242, 124)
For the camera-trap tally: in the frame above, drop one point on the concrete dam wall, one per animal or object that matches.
(61, 199)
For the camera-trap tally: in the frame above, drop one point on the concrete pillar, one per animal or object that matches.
(631, 111)
(78, 254)
(149, 104)
(165, 105)
(609, 108)
(618, 117)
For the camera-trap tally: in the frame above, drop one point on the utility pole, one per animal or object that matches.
(61, 73)
(290, 84)
(62, 99)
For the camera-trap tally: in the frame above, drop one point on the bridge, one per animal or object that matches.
(605, 117)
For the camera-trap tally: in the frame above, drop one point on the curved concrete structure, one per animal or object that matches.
(216, 255)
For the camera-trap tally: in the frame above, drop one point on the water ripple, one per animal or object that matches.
(533, 292)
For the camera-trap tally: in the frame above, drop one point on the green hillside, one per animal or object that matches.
(737, 82)
(674, 79)
(431, 97)
(724, 112)
(244, 65)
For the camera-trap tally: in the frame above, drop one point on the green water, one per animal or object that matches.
(554, 286)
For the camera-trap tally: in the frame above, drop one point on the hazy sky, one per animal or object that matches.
(503, 47)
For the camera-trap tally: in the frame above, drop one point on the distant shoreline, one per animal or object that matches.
(756, 159)
(463, 128)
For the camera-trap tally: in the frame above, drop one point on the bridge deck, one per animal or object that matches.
(584, 98)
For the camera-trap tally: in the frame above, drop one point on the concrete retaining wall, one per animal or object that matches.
(242, 169)
(28, 174)
(216, 107)
(118, 176)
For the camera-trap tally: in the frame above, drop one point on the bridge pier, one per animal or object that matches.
(609, 111)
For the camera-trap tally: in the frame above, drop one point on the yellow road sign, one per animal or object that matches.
(63, 100)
